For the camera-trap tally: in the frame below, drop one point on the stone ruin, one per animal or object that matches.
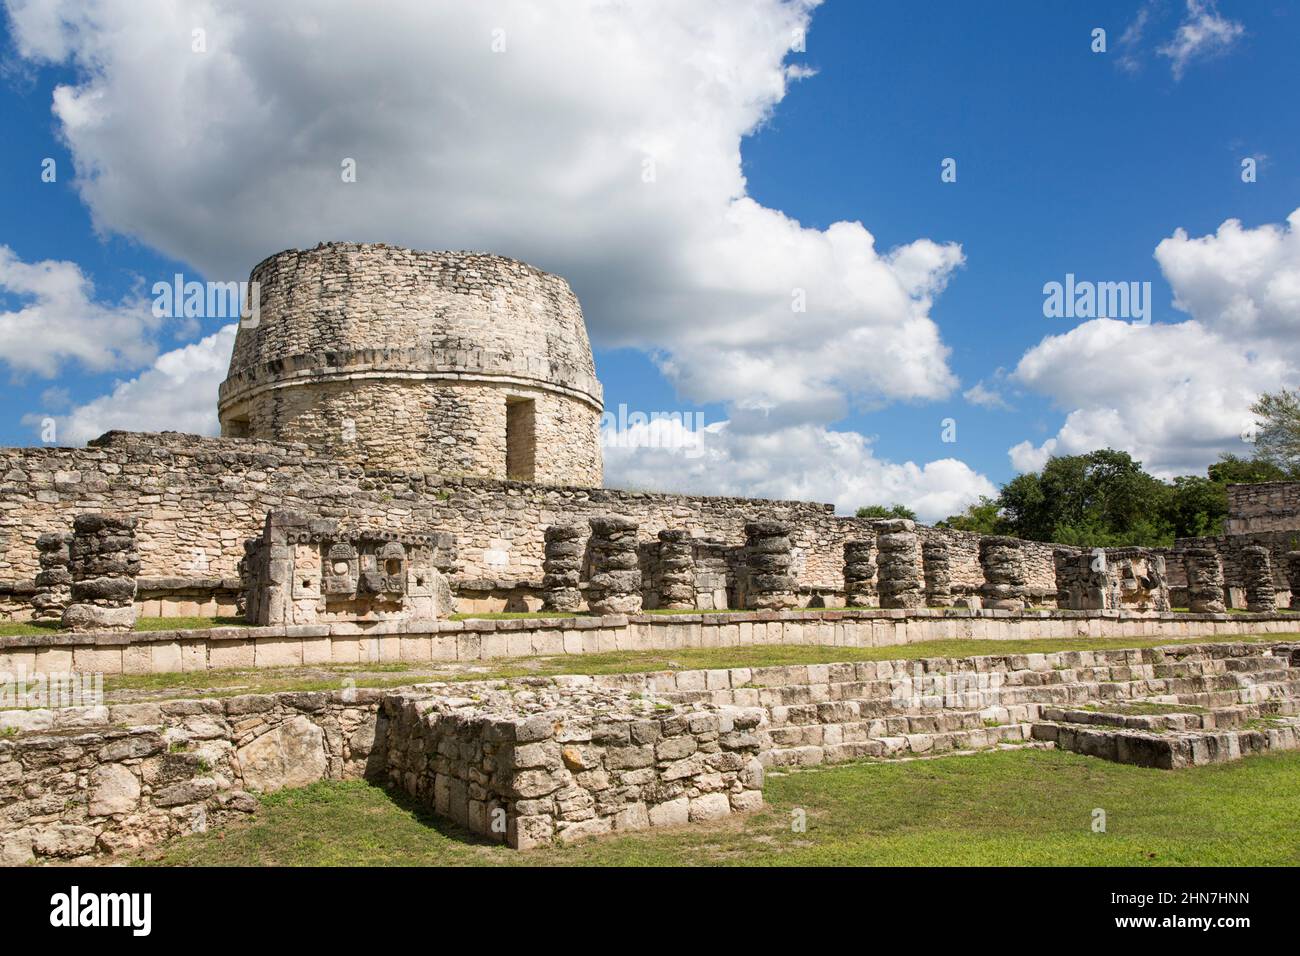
(54, 580)
(1003, 563)
(615, 584)
(566, 759)
(306, 570)
(103, 564)
(860, 573)
(562, 568)
(899, 566)
(1293, 578)
(1111, 579)
(674, 570)
(1204, 581)
(1257, 566)
(765, 582)
(936, 565)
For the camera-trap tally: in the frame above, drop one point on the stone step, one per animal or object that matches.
(1166, 751)
(893, 746)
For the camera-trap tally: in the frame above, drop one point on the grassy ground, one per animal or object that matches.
(1026, 807)
(218, 683)
(20, 628)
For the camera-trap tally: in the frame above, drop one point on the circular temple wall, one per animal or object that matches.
(389, 358)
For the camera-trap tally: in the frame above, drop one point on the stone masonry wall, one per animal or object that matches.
(197, 500)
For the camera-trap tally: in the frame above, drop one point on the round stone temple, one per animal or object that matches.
(388, 358)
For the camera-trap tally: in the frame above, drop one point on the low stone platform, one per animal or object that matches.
(543, 760)
(532, 760)
(154, 652)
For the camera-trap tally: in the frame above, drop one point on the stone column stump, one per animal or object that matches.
(104, 564)
(615, 586)
(1293, 578)
(899, 564)
(1204, 581)
(1003, 562)
(562, 568)
(860, 573)
(1257, 568)
(936, 565)
(676, 568)
(768, 556)
(54, 580)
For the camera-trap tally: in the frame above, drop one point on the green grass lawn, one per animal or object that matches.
(21, 628)
(1024, 807)
(330, 677)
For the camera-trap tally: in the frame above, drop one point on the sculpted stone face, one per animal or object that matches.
(389, 358)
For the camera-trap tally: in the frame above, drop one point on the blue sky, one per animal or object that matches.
(1067, 161)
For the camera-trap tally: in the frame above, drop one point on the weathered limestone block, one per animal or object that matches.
(291, 755)
(1257, 567)
(768, 584)
(562, 568)
(1204, 580)
(1293, 578)
(935, 561)
(1002, 560)
(860, 573)
(103, 563)
(54, 580)
(675, 569)
(1064, 561)
(900, 564)
(615, 585)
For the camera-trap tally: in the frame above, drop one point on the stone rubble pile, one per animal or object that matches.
(562, 568)
(1003, 563)
(104, 564)
(1204, 580)
(768, 555)
(615, 586)
(899, 565)
(860, 573)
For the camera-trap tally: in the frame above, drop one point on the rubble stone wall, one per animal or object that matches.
(82, 781)
(198, 499)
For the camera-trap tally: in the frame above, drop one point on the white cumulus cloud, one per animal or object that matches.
(57, 321)
(598, 140)
(1202, 34)
(1176, 395)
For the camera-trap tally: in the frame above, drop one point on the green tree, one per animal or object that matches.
(981, 518)
(1278, 437)
(1101, 498)
(880, 511)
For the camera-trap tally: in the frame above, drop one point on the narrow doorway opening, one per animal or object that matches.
(521, 439)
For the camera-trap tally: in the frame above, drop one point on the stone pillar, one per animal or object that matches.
(54, 580)
(562, 568)
(1063, 560)
(1003, 562)
(1204, 581)
(899, 565)
(1257, 568)
(860, 573)
(615, 586)
(104, 564)
(1293, 578)
(676, 570)
(935, 562)
(769, 584)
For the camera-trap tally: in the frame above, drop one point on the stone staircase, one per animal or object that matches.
(1161, 707)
